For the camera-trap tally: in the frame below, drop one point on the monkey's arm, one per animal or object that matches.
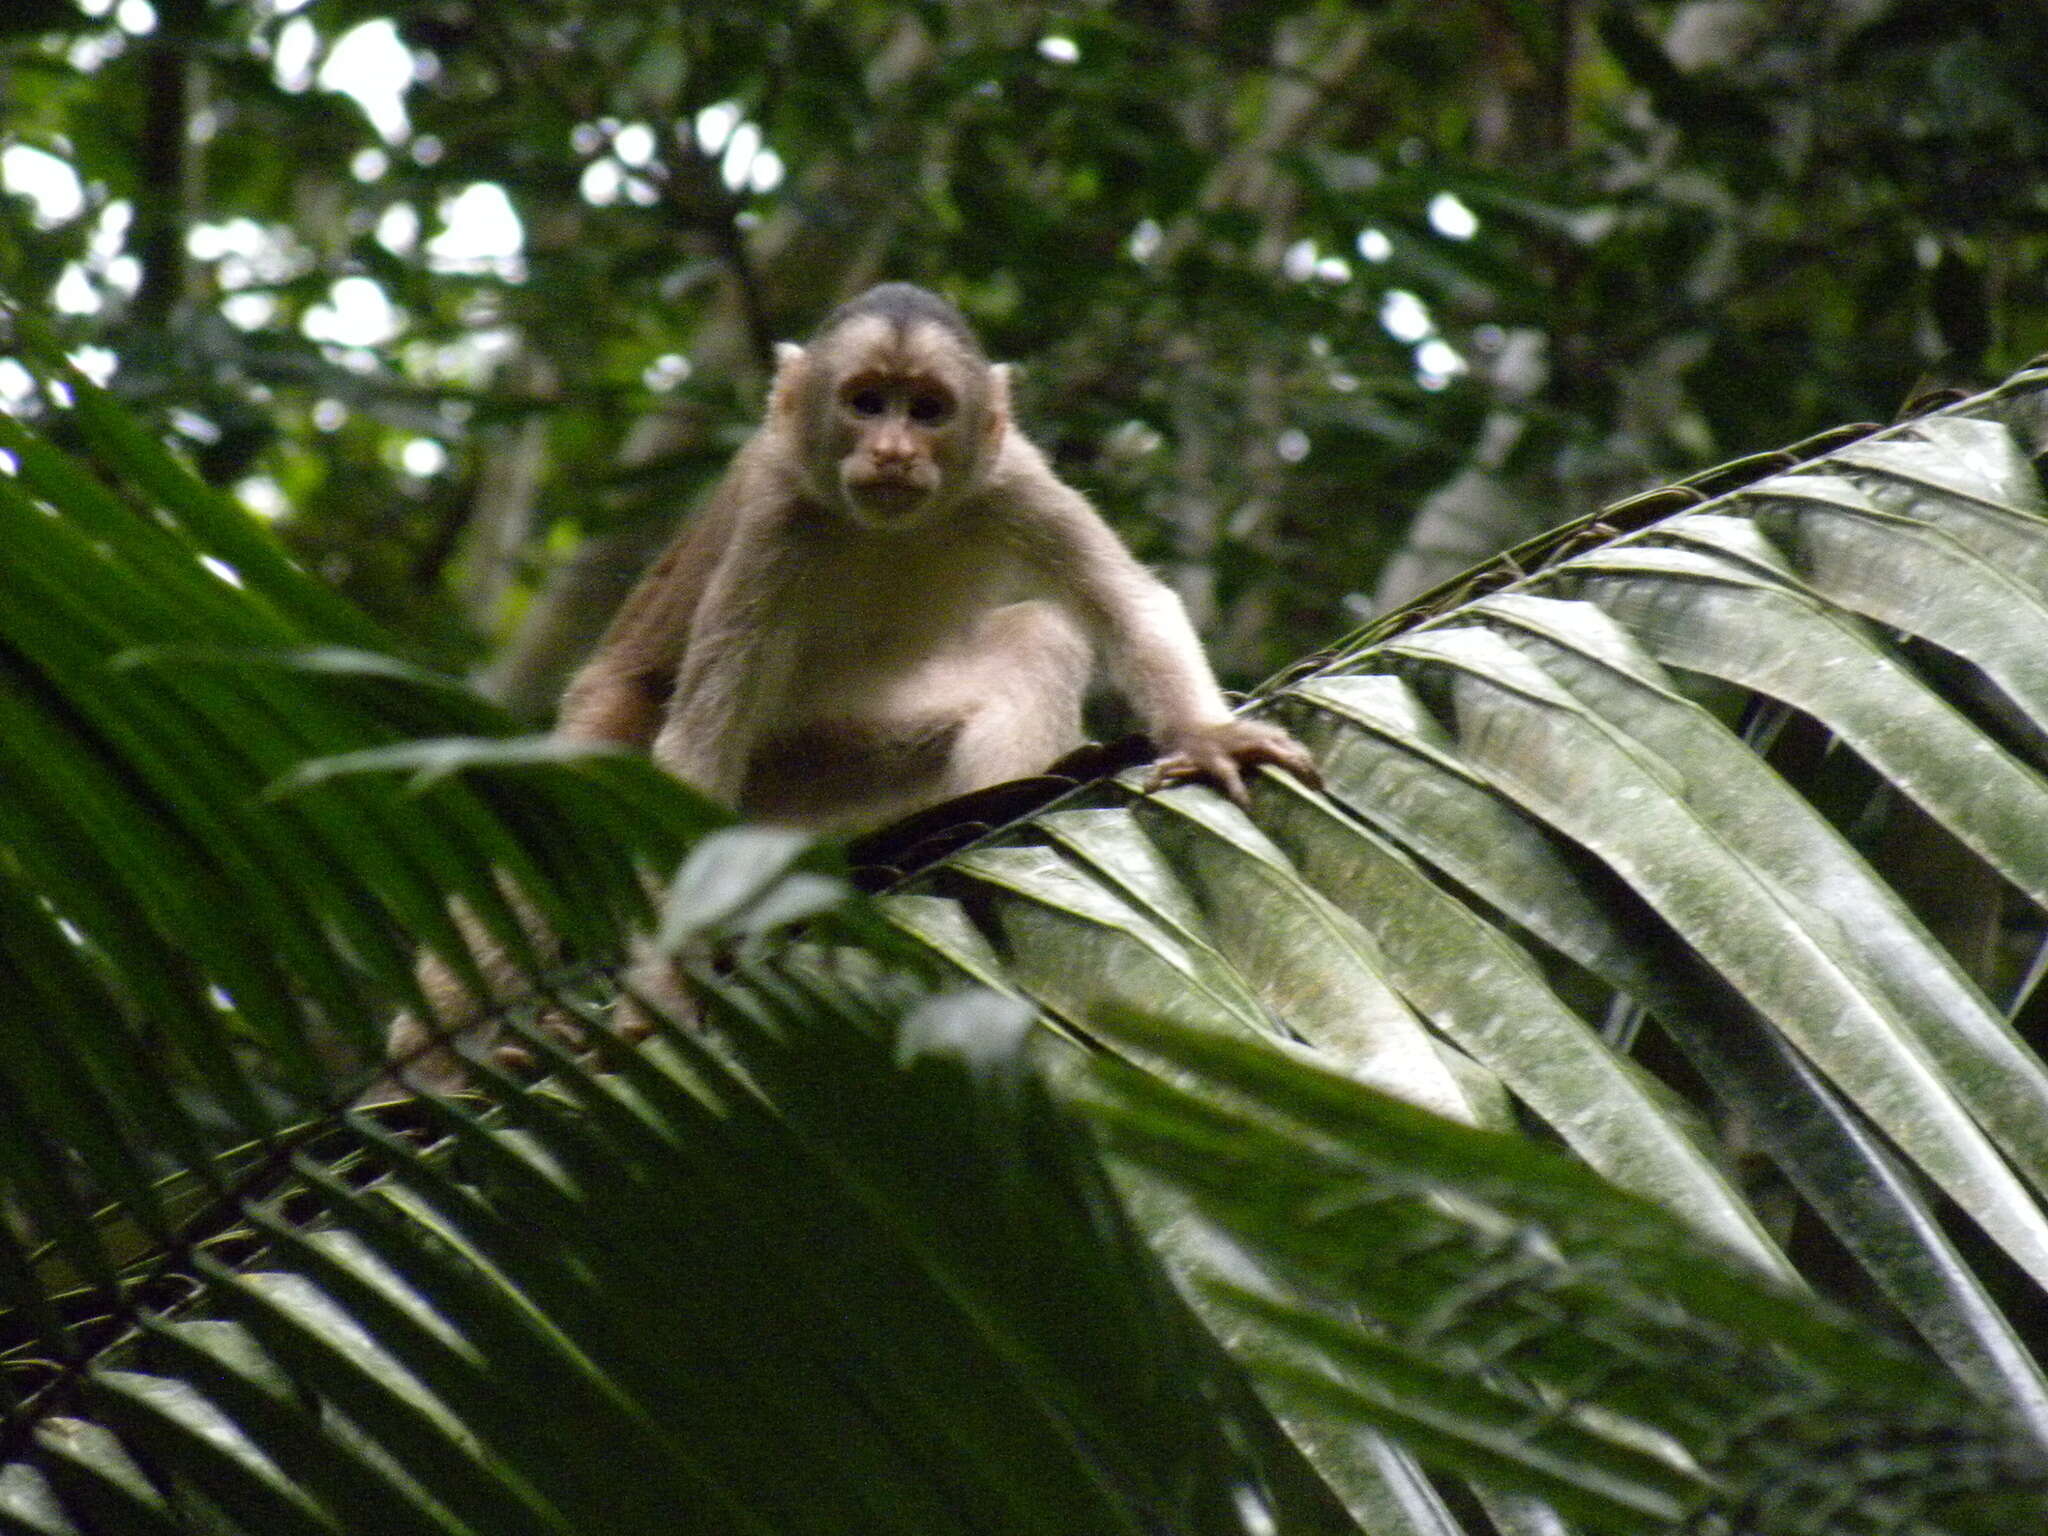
(736, 665)
(621, 692)
(1153, 653)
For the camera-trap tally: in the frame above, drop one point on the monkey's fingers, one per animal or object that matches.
(1224, 753)
(1227, 775)
(1173, 768)
(1214, 766)
(1286, 753)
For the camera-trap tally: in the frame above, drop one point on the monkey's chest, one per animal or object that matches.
(882, 718)
(877, 675)
(871, 648)
(867, 724)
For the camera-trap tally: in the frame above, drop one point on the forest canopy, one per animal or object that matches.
(473, 299)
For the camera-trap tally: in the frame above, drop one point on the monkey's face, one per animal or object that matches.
(897, 421)
(896, 433)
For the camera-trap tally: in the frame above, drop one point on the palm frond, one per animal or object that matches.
(1565, 830)
(1604, 859)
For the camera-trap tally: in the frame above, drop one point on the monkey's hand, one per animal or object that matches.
(1223, 752)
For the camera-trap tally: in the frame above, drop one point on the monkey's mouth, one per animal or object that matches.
(888, 498)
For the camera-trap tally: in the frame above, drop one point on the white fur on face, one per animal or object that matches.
(892, 472)
(865, 337)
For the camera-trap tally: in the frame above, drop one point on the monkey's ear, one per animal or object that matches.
(790, 368)
(998, 401)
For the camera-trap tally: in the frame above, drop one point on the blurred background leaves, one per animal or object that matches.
(1321, 302)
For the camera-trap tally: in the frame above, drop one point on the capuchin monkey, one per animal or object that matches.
(888, 601)
(891, 600)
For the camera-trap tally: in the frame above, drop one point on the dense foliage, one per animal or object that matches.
(1616, 1102)
(833, 1254)
(1283, 273)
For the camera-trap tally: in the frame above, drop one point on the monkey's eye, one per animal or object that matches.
(929, 410)
(868, 402)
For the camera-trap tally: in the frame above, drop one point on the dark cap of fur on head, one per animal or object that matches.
(904, 305)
